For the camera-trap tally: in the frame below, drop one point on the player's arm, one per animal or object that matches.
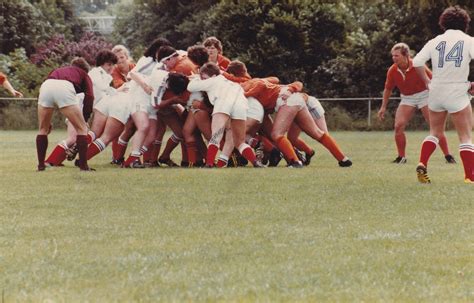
(88, 102)
(386, 96)
(140, 80)
(7, 85)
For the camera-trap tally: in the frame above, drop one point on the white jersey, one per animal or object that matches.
(157, 81)
(218, 88)
(450, 55)
(101, 83)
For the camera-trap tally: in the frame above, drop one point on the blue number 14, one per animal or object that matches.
(455, 54)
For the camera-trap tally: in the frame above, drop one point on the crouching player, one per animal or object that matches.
(229, 104)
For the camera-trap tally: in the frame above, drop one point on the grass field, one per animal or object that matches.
(322, 233)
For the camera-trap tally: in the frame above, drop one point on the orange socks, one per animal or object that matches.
(332, 146)
(284, 145)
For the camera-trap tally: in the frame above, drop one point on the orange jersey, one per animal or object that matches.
(267, 92)
(222, 62)
(185, 66)
(2, 78)
(118, 79)
(409, 83)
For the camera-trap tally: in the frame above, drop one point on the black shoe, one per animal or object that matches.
(168, 162)
(117, 161)
(295, 164)
(301, 156)
(450, 159)
(71, 152)
(308, 158)
(88, 169)
(345, 163)
(275, 158)
(400, 160)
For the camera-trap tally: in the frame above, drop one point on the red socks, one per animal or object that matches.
(467, 156)
(212, 150)
(58, 155)
(332, 146)
(427, 148)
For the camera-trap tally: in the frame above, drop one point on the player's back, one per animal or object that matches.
(450, 55)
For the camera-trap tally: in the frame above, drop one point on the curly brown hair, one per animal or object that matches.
(213, 41)
(198, 54)
(105, 56)
(454, 17)
(237, 68)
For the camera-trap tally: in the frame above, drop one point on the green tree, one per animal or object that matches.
(44, 19)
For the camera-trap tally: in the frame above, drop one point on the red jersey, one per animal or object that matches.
(118, 79)
(408, 83)
(222, 62)
(2, 78)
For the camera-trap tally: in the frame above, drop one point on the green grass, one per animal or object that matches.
(322, 233)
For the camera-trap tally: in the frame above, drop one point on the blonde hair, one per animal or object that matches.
(403, 48)
(121, 48)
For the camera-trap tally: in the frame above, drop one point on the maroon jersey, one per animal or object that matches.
(82, 84)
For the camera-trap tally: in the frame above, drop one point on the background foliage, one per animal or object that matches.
(336, 48)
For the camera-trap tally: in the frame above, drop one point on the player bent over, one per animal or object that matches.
(60, 90)
(230, 105)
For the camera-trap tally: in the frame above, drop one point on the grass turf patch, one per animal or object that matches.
(322, 233)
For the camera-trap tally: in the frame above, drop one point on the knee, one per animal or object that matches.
(275, 135)
(399, 127)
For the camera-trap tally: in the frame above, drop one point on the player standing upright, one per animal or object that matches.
(450, 54)
(414, 95)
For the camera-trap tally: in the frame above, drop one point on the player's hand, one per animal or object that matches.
(381, 114)
(471, 90)
(148, 89)
(17, 94)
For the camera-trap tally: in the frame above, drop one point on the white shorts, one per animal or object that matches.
(255, 110)
(57, 92)
(418, 100)
(140, 102)
(450, 97)
(236, 108)
(295, 99)
(195, 96)
(116, 106)
(315, 108)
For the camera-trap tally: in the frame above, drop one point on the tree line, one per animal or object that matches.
(336, 48)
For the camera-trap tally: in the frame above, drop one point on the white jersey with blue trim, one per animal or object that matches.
(450, 55)
(158, 82)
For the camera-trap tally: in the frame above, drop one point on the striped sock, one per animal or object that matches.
(58, 155)
(96, 147)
